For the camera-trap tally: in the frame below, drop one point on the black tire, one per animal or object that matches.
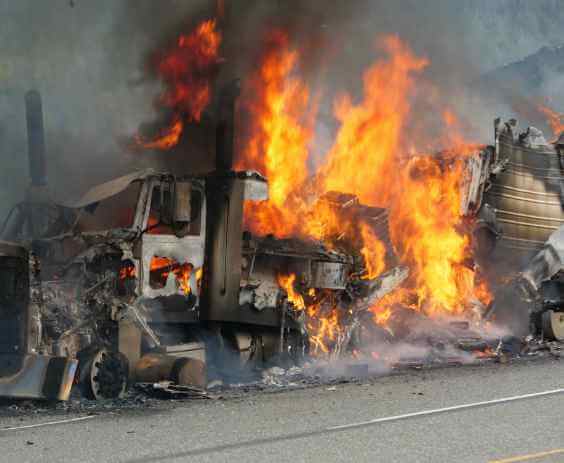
(103, 375)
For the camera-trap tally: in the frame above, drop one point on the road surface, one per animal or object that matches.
(422, 416)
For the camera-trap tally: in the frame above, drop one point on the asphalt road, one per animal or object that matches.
(305, 425)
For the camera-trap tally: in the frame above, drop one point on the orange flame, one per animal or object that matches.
(287, 284)
(323, 322)
(383, 309)
(424, 227)
(127, 271)
(483, 293)
(322, 316)
(555, 120)
(187, 70)
(363, 159)
(325, 330)
(166, 140)
(199, 275)
(373, 251)
(278, 103)
(182, 272)
(368, 160)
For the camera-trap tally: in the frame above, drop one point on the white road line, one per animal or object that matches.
(447, 409)
(48, 423)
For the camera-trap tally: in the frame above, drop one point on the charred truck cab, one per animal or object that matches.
(150, 276)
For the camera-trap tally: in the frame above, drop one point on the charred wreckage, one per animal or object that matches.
(151, 276)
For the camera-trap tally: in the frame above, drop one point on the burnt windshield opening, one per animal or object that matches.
(117, 211)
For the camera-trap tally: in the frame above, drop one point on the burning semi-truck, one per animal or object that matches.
(146, 277)
(152, 277)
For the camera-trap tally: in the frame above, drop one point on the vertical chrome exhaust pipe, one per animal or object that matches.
(35, 138)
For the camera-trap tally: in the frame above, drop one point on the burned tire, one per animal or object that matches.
(104, 375)
(553, 325)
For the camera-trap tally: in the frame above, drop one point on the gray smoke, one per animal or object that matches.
(88, 59)
(463, 40)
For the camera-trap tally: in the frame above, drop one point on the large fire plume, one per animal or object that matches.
(373, 158)
(368, 159)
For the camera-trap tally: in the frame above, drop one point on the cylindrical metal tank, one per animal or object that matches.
(526, 196)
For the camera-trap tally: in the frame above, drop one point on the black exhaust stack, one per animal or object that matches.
(35, 138)
(27, 218)
(37, 194)
(225, 130)
(224, 240)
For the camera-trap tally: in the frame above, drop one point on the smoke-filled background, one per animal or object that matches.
(90, 59)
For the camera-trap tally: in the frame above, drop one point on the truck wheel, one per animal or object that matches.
(553, 325)
(104, 375)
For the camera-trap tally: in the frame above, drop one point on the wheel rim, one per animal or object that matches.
(108, 375)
